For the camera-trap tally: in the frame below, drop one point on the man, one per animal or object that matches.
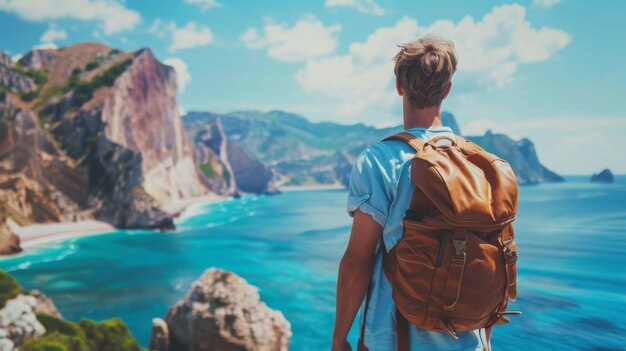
(379, 194)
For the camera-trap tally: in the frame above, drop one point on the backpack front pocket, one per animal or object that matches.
(417, 256)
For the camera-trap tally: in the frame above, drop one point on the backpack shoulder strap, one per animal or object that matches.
(416, 143)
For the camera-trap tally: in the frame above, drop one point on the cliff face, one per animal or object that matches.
(227, 167)
(221, 312)
(140, 114)
(211, 155)
(100, 137)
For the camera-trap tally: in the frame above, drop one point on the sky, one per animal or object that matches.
(548, 70)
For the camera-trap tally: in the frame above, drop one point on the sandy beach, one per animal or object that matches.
(41, 234)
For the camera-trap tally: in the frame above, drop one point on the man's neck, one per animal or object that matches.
(421, 118)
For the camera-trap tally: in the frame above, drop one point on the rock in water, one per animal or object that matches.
(606, 176)
(221, 312)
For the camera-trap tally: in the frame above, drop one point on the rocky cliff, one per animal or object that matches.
(98, 137)
(221, 312)
(227, 167)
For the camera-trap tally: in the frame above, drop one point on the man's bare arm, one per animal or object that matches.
(355, 273)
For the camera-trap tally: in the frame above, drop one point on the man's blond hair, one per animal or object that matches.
(424, 69)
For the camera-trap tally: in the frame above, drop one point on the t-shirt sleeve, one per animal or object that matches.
(371, 182)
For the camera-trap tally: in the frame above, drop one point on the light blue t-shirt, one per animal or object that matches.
(380, 185)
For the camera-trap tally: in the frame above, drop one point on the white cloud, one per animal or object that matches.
(308, 38)
(53, 34)
(489, 51)
(183, 78)
(204, 5)
(113, 16)
(365, 6)
(546, 4)
(189, 36)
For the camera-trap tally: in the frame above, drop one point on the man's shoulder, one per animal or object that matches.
(387, 153)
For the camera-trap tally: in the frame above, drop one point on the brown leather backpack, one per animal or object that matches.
(454, 269)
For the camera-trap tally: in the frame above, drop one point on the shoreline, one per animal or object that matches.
(34, 235)
(40, 234)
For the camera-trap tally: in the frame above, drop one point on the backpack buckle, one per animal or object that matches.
(459, 246)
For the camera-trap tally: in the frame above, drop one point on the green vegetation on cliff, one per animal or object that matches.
(83, 90)
(61, 335)
(110, 335)
(9, 287)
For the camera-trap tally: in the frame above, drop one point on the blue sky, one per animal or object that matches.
(549, 70)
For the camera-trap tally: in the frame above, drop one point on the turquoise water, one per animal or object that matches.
(572, 268)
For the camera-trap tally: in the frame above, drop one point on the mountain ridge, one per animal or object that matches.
(301, 152)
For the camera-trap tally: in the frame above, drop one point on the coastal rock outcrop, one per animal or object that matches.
(221, 312)
(99, 138)
(211, 154)
(605, 176)
(18, 313)
(9, 242)
(44, 304)
(227, 167)
(18, 322)
(30, 321)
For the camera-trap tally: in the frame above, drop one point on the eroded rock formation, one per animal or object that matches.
(18, 321)
(100, 138)
(222, 312)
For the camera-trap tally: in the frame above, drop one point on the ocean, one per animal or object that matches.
(571, 239)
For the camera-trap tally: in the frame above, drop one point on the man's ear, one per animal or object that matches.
(399, 88)
(445, 94)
